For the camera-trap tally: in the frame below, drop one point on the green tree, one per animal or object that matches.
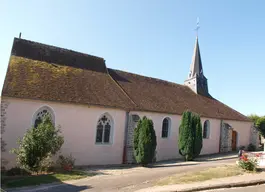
(190, 135)
(136, 138)
(260, 124)
(38, 144)
(254, 118)
(198, 135)
(186, 136)
(145, 142)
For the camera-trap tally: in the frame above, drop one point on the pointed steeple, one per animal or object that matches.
(196, 63)
(196, 79)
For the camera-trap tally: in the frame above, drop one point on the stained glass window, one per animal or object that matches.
(104, 130)
(206, 129)
(40, 114)
(165, 128)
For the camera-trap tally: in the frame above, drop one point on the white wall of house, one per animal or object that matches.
(78, 124)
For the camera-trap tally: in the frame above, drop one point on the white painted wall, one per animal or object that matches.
(211, 145)
(78, 125)
(243, 131)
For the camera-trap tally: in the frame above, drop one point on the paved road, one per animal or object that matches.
(257, 188)
(135, 178)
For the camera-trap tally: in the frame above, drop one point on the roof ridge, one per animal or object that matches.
(125, 93)
(151, 78)
(59, 48)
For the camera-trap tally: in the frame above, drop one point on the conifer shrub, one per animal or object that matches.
(136, 139)
(145, 142)
(198, 135)
(190, 136)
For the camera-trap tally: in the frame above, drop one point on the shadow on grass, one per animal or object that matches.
(11, 182)
(63, 187)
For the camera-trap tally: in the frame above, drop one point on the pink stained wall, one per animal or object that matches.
(167, 148)
(78, 125)
(211, 144)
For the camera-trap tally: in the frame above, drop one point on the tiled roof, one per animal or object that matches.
(152, 94)
(32, 79)
(44, 72)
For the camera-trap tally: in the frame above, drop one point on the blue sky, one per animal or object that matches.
(153, 38)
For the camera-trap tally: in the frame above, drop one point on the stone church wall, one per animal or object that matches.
(254, 136)
(224, 138)
(3, 119)
(132, 124)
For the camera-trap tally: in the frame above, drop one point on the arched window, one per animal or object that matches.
(104, 129)
(41, 113)
(206, 129)
(165, 128)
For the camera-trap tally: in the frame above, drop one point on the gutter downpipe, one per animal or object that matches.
(124, 156)
(220, 137)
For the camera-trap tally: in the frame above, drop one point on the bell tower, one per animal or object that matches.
(196, 79)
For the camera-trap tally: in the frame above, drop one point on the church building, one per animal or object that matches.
(98, 107)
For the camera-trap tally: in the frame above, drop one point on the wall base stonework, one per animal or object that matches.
(3, 118)
(132, 123)
(254, 136)
(226, 138)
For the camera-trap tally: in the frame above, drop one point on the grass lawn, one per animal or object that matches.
(207, 174)
(43, 179)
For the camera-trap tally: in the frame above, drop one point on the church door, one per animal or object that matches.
(234, 140)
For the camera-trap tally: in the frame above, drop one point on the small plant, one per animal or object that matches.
(37, 144)
(66, 163)
(246, 163)
(251, 147)
(16, 171)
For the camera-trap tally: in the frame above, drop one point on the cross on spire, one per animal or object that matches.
(197, 27)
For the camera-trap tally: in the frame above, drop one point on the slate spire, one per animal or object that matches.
(196, 79)
(196, 63)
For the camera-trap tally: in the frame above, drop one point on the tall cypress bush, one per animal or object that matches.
(144, 142)
(136, 139)
(198, 135)
(185, 140)
(190, 135)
